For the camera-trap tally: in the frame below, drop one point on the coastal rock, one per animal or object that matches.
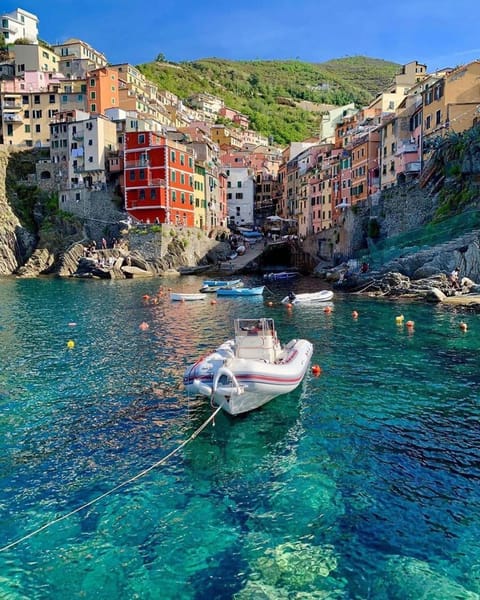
(136, 272)
(40, 262)
(69, 261)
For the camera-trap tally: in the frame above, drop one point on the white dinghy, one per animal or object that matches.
(248, 371)
(321, 296)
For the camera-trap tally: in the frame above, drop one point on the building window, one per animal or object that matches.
(36, 99)
(239, 184)
(172, 156)
(51, 99)
(141, 138)
(132, 175)
(93, 108)
(92, 96)
(190, 162)
(26, 114)
(438, 117)
(141, 195)
(153, 194)
(182, 159)
(37, 129)
(182, 197)
(182, 178)
(92, 82)
(239, 195)
(27, 128)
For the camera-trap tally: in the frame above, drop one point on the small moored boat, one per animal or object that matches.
(246, 372)
(321, 296)
(241, 291)
(222, 282)
(213, 285)
(183, 297)
(281, 276)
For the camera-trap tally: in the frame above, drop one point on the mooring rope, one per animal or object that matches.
(117, 487)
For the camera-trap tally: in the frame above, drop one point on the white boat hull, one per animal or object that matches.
(240, 385)
(185, 297)
(322, 296)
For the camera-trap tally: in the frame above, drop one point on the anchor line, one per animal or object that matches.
(117, 487)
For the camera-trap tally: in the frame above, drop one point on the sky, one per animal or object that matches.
(438, 33)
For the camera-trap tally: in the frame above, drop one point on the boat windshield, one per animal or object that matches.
(260, 327)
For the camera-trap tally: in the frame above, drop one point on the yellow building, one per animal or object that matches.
(225, 137)
(451, 102)
(200, 201)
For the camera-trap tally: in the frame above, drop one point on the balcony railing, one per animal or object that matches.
(12, 105)
(8, 117)
(131, 164)
(413, 167)
(156, 183)
(406, 147)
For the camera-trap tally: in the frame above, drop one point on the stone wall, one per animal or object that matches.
(171, 247)
(96, 209)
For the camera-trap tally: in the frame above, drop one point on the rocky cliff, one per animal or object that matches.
(16, 243)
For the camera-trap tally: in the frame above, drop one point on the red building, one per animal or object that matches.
(158, 179)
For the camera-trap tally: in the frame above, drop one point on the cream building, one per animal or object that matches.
(19, 24)
(33, 57)
(80, 145)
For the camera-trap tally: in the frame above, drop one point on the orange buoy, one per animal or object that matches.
(289, 305)
(213, 302)
(316, 370)
(146, 297)
(144, 326)
(327, 309)
(355, 314)
(463, 326)
(410, 324)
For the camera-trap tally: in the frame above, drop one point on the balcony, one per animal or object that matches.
(406, 147)
(9, 117)
(156, 183)
(12, 105)
(132, 164)
(413, 167)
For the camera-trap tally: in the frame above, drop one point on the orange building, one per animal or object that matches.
(158, 179)
(102, 90)
(364, 167)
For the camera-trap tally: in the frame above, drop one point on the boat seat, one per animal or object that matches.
(255, 346)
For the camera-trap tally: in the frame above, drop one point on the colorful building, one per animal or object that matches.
(158, 179)
(102, 90)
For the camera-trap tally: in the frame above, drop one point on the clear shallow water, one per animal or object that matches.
(364, 483)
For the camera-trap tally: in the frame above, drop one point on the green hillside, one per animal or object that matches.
(256, 88)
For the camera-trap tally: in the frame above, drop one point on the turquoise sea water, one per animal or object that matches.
(362, 484)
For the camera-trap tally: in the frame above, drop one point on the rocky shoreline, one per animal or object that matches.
(393, 285)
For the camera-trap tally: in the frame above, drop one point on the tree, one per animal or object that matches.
(160, 57)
